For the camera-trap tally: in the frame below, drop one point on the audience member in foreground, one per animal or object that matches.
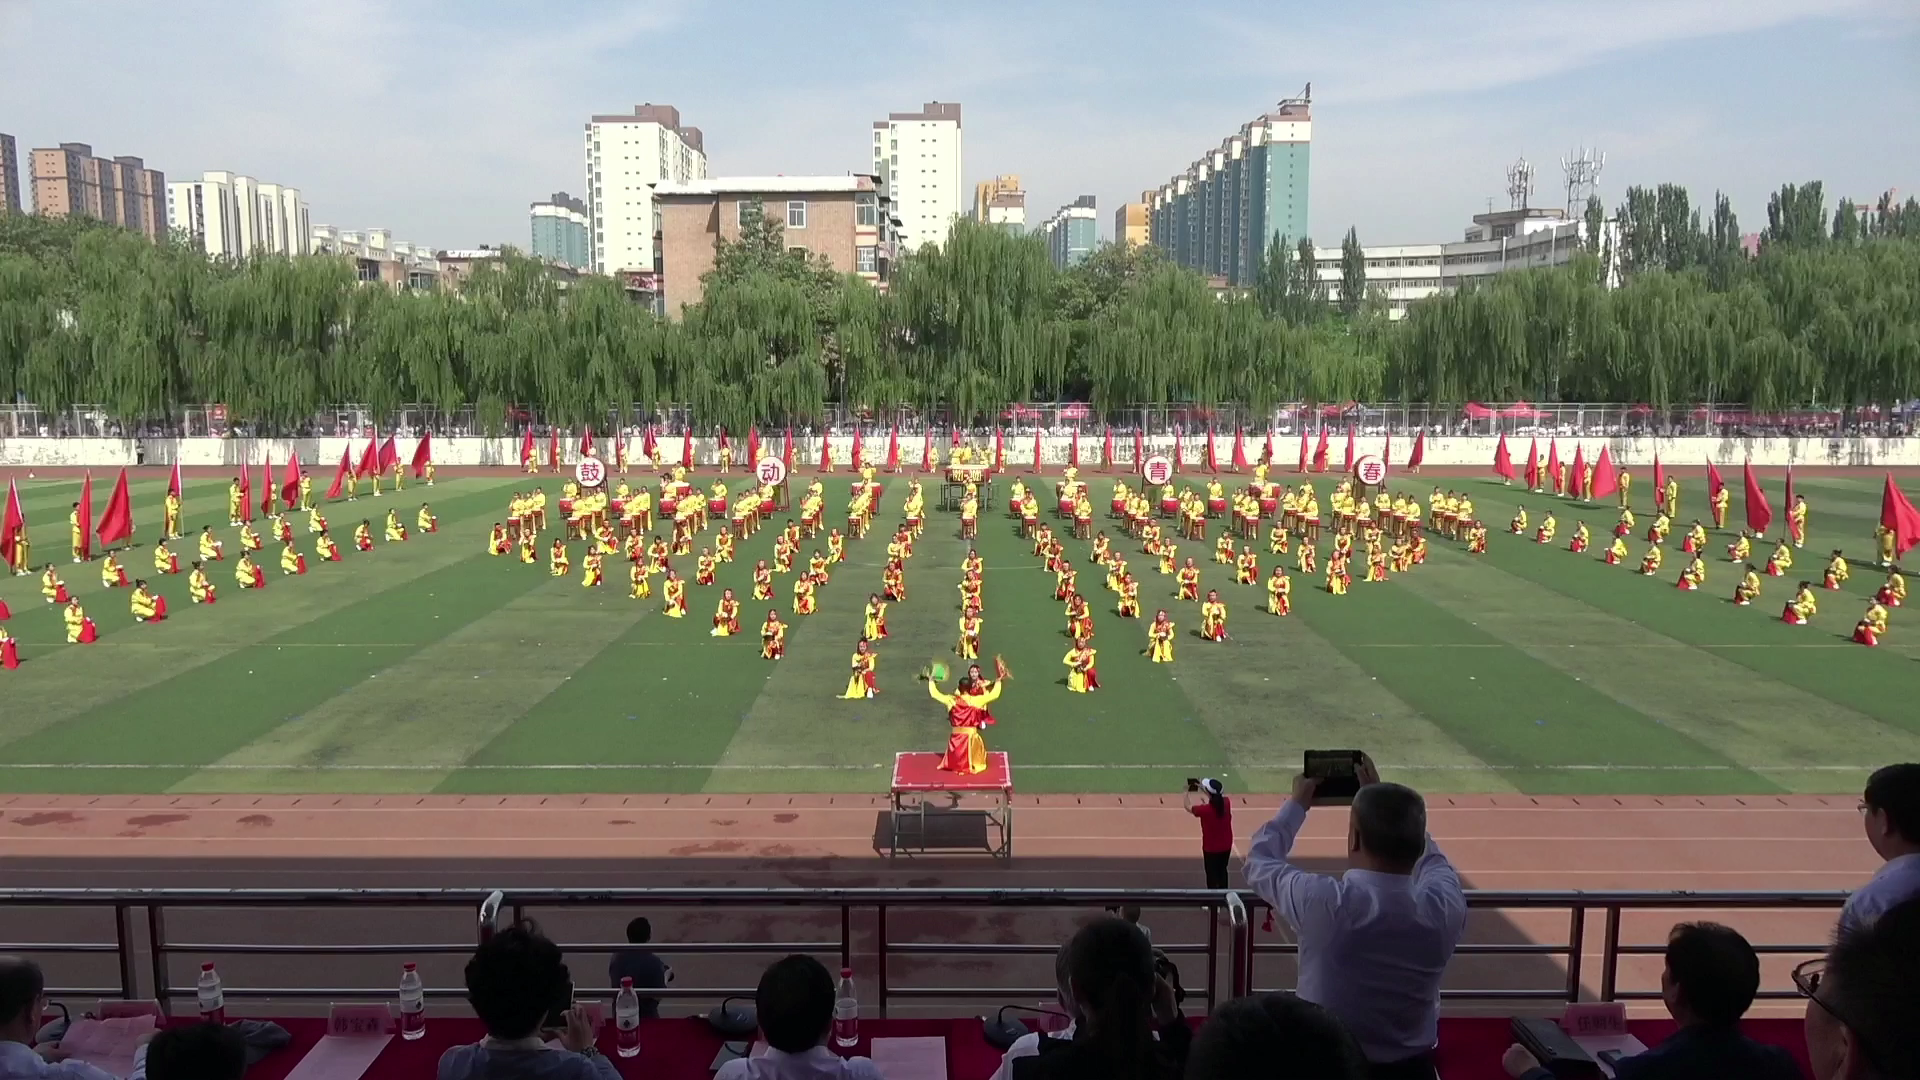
(795, 1002)
(197, 1052)
(1121, 1003)
(514, 979)
(1274, 1037)
(23, 998)
(640, 964)
(1374, 943)
(1709, 982)
(1864, 1000)
(1890, 813)
(1029, 1044)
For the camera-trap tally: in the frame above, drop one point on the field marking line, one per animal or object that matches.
(820, 767)
(1183, 843)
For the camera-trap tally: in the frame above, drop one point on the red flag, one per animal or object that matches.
(686, 450)
(649, 446)
(1896, 513)
(290, 480)
(1240, 449)
(753, 446)
(620, 443)
(1320, 452)
(1577, 484)
(1213, 463)
(1386, 450)
(723, 444)
(1659, 482)
(526, 451)
(553, 449)
(1606, 480)
(926, 451)
(1179, 451)
(1139, 450)
(85, 510)
(1553, 466)
(369, 461)
(1273, 447)
(1787, 503)
(954, 434)
(1347, 465)
(1502, 460)
(346, 469)
(586, 441)
(859, 449)
(1036, 449)
(117, 522)
(173, 482)
(1533, 465)
(389, 455)
(1106, 452)
(786, 449)
(999, 451)
(246, 495)
(893, 449)
(268, 490)
(826, 453)
(1305, 454)
(1419, 452)
(1073, 456)
(14, 522)
(1759, 514)
(1715, 485)
(423, 454)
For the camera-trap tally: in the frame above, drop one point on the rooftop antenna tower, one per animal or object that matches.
(1519, 183)
(1582, 170)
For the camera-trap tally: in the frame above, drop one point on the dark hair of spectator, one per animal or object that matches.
(21, 984)
(1276, 1036)
(197, 1052)
(1392, 820)
(1218, 800)
(1111, 965)
(514, 979)
(1895, 789)
(795, 1001)
(1872, 984)
(639, 930)
(1716, 970)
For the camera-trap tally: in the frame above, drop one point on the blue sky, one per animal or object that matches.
(441, 120)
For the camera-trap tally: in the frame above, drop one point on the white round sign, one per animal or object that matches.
(1157, 470)
(770, 470)
(1370, 470)
(589, 472)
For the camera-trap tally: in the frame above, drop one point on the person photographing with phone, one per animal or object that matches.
(1207, 800)
(1375, 941)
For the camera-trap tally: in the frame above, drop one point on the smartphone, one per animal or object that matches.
(1193, 784)
(557, 1014)
(1338, 772)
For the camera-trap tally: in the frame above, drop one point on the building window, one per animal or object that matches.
(866, 206)
(866, 260)
(796, 214)
(746, 212)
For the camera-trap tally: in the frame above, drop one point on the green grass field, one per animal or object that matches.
(428, 666)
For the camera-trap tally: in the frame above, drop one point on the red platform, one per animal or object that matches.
(918, 779)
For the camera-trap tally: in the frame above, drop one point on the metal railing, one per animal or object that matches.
(1231, 959)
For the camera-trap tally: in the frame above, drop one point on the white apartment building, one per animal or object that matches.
(377, 256)
(1496, 242)
(232, 215)
(918, 159)
(625, 157)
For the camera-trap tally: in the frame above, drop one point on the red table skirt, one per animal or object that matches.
(683, 1048)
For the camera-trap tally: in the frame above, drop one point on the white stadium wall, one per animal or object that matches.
(321, 455)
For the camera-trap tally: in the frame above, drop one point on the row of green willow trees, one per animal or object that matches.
(1828, 312)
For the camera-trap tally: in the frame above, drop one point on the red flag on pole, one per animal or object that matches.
(290, 480)
(1139, 450)
(1273, 447)
(1106, 452)
(1073, 456)
(753, 446)
(85, 511)
(1419, 453)
(1659, 482)
(926, 451)
(1386, 450)
(786, 449)
(859, 448)
(526, 450)
(369, 460)
(1759, 513)
(267, 489)
(1036, 449)
(1577, 484)
(1305, 454)
(649, 446)
(1320, 453)
(13, 523)
(723, 443)
(999, 450)
(1787, 503)
(826, 453)
(686, 449)
(117, 522)
(389, 455)
(1554, 475)
(893, 449)
(246, 495)
(173, 482)
(346, 469)
(1213, 463)
(423, 454)
(954, 435)
(586, 441)
(1503, 461)
(1179, 451)
(1347, 465)
(1606, 480)
(1240, 449)
(1533, 465)
(553, 449)
(1896, 513)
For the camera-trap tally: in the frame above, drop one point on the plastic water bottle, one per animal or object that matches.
(626, 1018)
(413, 1004)
(846, 1011)
(213, 999)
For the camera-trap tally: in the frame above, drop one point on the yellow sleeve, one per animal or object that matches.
(992, 694)
(933, 691)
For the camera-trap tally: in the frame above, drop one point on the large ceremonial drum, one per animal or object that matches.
(1216, 506)
(1169, 505)
(668, 504)
(716, 506)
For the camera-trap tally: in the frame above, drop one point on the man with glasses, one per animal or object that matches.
(23, 998)
(1863, 998)
(1890, 814)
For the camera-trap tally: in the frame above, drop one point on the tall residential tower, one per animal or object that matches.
(918, 159)
(561, 227)
(625, 157)
(69, 181)
(9, 176)
(1219, 216)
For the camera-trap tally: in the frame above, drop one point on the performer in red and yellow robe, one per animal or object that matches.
(1837, 571)
(80, 629)
(1189, 581)
(1247, 563)
(1081, 674)
(1280, 592)
(199, 589)
(1693, 575)
(363, 536)
(150, 607)
(703, 568)
(1871, 625)
(726, 616)
(328, 551)
(673, 595)
(291, 561)
(165, 561)
(967, 714)
(1802, 608)
(1748, 590)
(1213, 617)
(875, 626)
(773, 637)
(861, 683)
(248, 574)
(497, 540)
(9, 651)
(1894, 592)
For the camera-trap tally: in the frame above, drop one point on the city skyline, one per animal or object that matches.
(443, 121)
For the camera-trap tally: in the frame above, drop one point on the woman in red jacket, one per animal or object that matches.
(1207, 800)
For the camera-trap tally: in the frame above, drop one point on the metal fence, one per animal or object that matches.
(1227, 960)
(1474, 418)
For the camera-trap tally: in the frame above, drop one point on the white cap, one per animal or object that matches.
(1211, 786)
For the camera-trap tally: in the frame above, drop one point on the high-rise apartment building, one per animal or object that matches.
(231, 215)
(69, 181)
(626, 156)
(561, 231)
(1132, 223)
(1001, 202)
(9, 176)
(1221, 213)
(1072, 232)
(918, 159)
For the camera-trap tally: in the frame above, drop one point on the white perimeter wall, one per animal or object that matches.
(321, 455)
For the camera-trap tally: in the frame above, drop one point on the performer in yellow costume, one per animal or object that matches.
(1160, 638)
(968, 716)
(249, 538)
(638, 587)
(1544, 534)
(1247, 566)
(247, 574)
(875, 626)
(291, 561)
(673, 595)
(1837, 571)
(425, 521)
(559, 562)
(395, 530)
(112, 574)
(1871, 625)
(1213, 617)
(970, 627)
(803, 594)
(1741, 549)
(199, 589)
(1650, 562)
(1280, 592)
(1893, 592)
(1082, 676)
(165, 561)
(363, 536)
(726, 616)
(1748, 590)
(316, 523)
(773, 637)
(1188, 580)
(592, 569)
(1721, 499)
(170, 517)
(148, 607)
(327, 551)
(80, 629)
(861, 681)
(1781, 560)
(1693, 575)
(1802, 608)
(1617, 551)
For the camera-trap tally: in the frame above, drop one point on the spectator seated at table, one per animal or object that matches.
(1121, 1001)
(1029, 1044)
(1863, 997)
(1278, 1036)
(1709, 982)
(196, 1052)
(514, 979)
(23, 1001)
(646, 969)
(795, 1004)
